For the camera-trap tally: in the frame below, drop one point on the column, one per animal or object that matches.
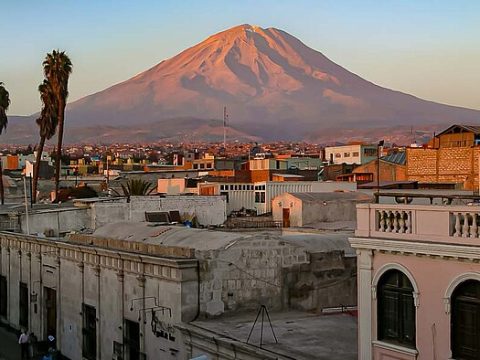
(364, 283)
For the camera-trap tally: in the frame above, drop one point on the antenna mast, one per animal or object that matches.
(225, 117)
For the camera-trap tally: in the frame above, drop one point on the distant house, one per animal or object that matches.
(350, 154)
(392, 168)
(457, 136)
(311, 208)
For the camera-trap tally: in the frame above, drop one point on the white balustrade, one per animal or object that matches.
(465, 224)
(394, 221)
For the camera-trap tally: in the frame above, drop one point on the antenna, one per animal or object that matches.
(225, 117)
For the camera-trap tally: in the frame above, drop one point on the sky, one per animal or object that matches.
(429, 49)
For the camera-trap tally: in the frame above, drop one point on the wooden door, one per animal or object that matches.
(286, 218)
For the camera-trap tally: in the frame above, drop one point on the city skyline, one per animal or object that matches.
(410, 47)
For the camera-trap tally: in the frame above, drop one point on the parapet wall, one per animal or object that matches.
(209, 210)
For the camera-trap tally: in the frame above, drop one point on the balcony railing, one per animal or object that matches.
(442, 223)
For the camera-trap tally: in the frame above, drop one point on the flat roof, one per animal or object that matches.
(329, 196)
(204, 240)
(301, 336)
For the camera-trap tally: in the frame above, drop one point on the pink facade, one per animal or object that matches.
(436, 257)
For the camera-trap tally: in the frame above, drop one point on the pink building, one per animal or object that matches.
(418, 282)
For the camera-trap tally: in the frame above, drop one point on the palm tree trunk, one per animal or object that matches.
(36, 168)
(61, 117)
(2, 191)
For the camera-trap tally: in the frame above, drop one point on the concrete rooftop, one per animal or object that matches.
(301, 336)
(204, 240)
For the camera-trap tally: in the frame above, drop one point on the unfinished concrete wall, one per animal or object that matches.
(60, 220)
(209, 210)
(329, 211)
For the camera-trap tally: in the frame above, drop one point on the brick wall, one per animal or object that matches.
(445, 165)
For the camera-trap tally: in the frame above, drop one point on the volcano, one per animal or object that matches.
(273, 85)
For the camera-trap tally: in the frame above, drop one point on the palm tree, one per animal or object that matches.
(47, 122)
(57, 68)
(4, 104)
(136, 187)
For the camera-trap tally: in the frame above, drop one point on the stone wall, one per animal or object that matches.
(269, 271)
(116, 283)
(329, 280)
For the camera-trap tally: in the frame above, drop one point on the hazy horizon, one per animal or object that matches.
(425, 49)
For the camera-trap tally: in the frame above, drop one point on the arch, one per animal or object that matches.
(395, 266)
(454, 284)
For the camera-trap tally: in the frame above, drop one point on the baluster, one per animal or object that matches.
(458, 227)
(401, 222)
(381, 223)
(465, 228)
(396, 214)
(474, 226)
(408, 222)
(389, 221)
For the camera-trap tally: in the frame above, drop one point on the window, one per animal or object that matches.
(23, 305)
(396, 309)
(225, 193)
(356, 154)
(89, 331)
(132, 340)
(260, 197)
(347, 154)
(3, 296)
(338, 155)
(370, 152)
(465, 326)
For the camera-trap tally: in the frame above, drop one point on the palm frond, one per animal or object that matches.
(4, 104)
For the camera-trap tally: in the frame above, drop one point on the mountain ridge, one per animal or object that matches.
(274, 86)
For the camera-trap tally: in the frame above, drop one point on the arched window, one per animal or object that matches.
(465, 323)
(396, 309)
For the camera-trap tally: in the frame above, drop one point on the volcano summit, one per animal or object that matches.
(274, 86)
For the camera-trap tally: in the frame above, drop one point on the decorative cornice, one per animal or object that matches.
(434, 250)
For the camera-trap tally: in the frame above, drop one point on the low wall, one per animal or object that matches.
(60, 221)
(209, 210)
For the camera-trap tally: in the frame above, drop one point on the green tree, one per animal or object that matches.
(4, 104)
(57, 68)
(47, 123)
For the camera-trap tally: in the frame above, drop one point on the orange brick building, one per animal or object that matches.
(452, 157)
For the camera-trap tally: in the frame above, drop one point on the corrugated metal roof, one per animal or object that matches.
(398, 158)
